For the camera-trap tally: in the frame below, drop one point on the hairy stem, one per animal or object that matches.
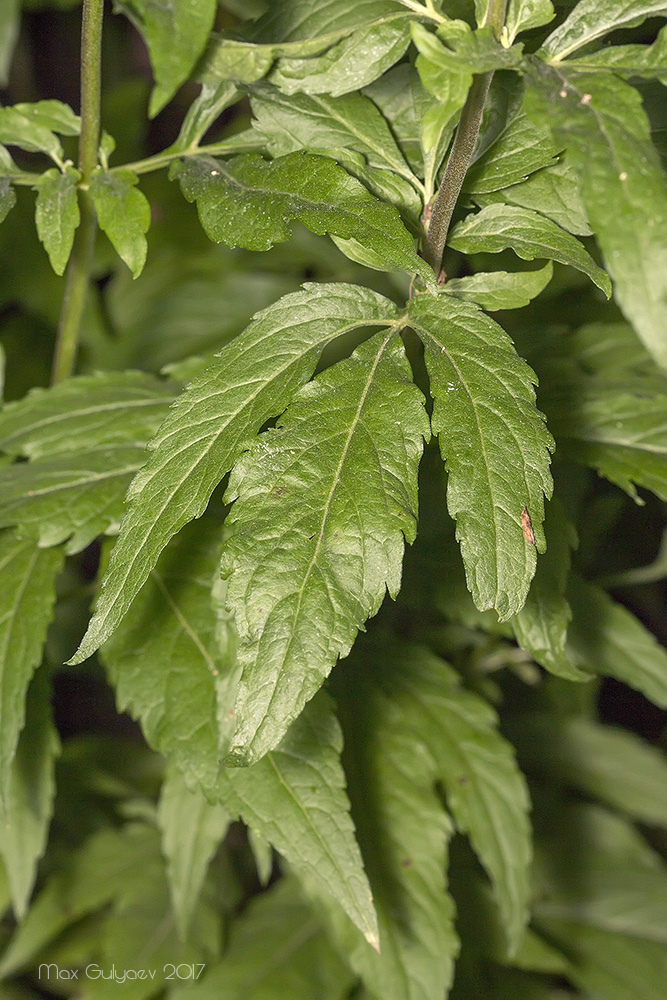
(462, 149)
(80, 262)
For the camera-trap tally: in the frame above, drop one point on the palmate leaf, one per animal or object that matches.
(588, 21)
(495, 445)
(176, 33)
(28, 595)
(215, 419)
(249, 202)
(601, 120)
(295, 798)
(322, 505)
(499, 227)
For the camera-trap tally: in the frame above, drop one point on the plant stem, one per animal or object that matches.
(462, 149)
(80, 262)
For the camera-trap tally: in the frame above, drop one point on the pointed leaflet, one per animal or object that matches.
(522, 15)
(57, 214)
(403, 830)
(494, 290)
(172, 660)
(499, 227)
(249, 202)
(322, 505)
(7, 198)
(608, 640)
(123, 214)
(601, 120)
(18, 129)
(26, 813)
(647, 61)
(277, 951)
(590, 20)
(26, 600)
(295, 798)
(215, 419)
(521, 149)
(176, 33)
(494, 442)
(192, 829)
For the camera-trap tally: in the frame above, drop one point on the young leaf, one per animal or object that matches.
(312, 553)
(295, 798)
(604, 126)
(499, 289)
(522, 15)
(176, 33)
(249, 202)
(57, 214)
(166, 664)
(350, 64)
(277, 951)
(192, 829)
(402, 828)
(28, 594)
(7, 198)
(123, 214)
(523, 148)
(17, 129)
(588, 21)
(499, 227)
(494, 442)
(25, 814)
(606, 639)
(253, 379)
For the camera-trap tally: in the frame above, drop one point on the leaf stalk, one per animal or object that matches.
(80, 263)
(462, 149)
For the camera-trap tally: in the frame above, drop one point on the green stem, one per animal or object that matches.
(81, 259)
(159, 160)
(462, 149)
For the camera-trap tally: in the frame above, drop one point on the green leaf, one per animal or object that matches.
(123, 214)
(541, 625)
(606, 763)
(192, 829)
(10, 19)
(588, 21)
(28, 595)
(646, 61)
(85, 412)
(304, 20)
(17, 129)
(553, 192)
(7, 198)
(520, 150)
(249, 202)
(606, 639)
(213, 99)
(295, 798)
(610, 922)
(495, 290)
(402, 828)
(312, 552)
(604, 126)
(73, 498)
(176, 34)
(53, 115)
(499, 227)
(350, 64)
(403, 101)
(494, 442)
(522, 15)
(172, 661)
(57, 214)
(217, 418)
(617, 429)
(277, 951)
(26, 812)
